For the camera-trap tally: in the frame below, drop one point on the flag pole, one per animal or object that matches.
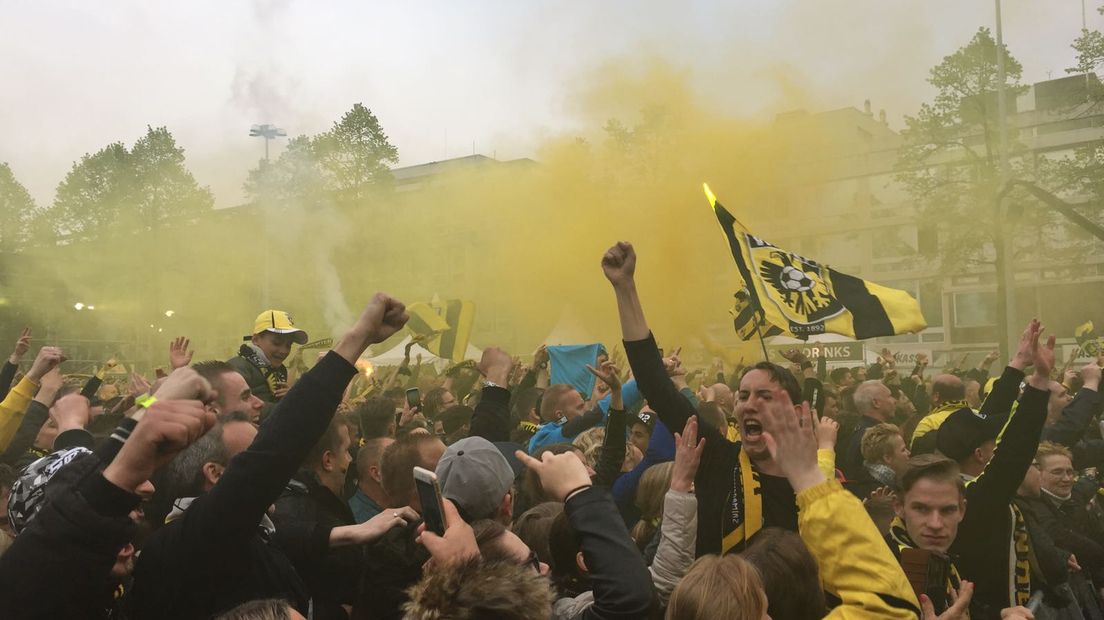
(762, 343)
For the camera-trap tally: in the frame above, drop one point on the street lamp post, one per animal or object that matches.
(269, 133)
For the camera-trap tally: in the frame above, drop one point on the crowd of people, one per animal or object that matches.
(245, 489)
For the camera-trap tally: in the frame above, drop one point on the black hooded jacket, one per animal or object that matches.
(214, 556)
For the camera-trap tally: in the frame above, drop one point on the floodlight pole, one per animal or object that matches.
(1006, 280)
(269, 132)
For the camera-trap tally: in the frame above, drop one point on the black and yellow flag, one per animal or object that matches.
(446, 324)
(425, 320)
(804, 298)
(453, 343)
(1087, 339)
(748, 318)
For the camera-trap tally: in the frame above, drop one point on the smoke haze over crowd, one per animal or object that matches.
(703, 82)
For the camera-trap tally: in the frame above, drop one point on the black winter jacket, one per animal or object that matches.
(986, 532)
(60, 564)
(305, 514)
(720, 458)
(214, 556)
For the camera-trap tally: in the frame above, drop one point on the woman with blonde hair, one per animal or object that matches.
(649, 500)
(589, 442)
(719, 586)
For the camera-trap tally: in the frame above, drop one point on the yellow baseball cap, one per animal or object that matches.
(279, 322)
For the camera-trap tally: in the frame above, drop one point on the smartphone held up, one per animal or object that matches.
(429, 493)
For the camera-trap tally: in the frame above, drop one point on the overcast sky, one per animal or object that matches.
(441, 76)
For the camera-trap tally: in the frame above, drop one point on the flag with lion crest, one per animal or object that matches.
(803, 297)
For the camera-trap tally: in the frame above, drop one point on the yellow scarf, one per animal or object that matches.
(901, 538)
(746, 517)
(1021, 547)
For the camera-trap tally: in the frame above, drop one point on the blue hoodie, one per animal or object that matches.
(552, 432)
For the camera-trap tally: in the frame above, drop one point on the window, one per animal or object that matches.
(931, 302)
(975, 309)
(893, 242)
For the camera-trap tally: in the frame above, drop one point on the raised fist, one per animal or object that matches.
(619, 263)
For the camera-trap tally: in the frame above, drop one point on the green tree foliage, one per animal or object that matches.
(949, 162)
(17, 210)
(163, 187)
(1080, 177)
(92, 194)
(294, 179)
(1090, 52)
(116, 188)
(354, 154)
(344, 165)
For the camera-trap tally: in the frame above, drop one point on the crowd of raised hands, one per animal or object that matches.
(646, 497)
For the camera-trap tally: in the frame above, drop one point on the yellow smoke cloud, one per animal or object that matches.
(523, 242)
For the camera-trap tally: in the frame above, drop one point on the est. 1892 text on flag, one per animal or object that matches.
(805, 298)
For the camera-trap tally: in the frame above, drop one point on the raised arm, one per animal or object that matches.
(619, 266)
(11, 365)
(491, 419)
(998, 404)
(179, 355)
(620, 581)
(537, 375)
(60, 564)
(36, 415)
(1016, 443)
(96, 380)
(15, 404)
(980, 373)
(607, 471)
(855, 563)
(255, 478)
(613, 443)
(678, 532)
(38, 411)
(1079, 414)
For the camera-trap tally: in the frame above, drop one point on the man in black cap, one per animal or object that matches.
(992, 546)
(640, 433)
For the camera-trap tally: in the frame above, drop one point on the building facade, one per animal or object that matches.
(855, 215)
